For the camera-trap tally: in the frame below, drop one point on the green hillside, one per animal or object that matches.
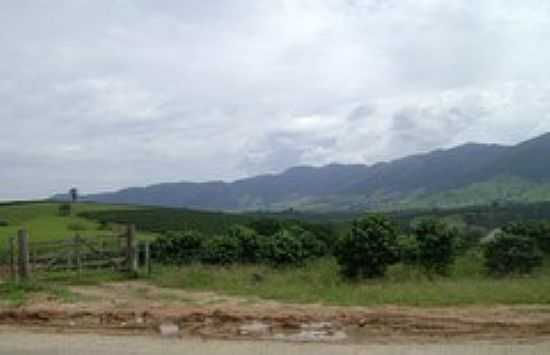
(43, 222)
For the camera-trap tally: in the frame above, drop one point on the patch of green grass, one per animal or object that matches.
(320, 282)
(44, 223)
(16, 294)
(86, 278)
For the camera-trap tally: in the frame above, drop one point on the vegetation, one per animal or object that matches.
(240, 245)
(435, 246)
(432, 258)
(369, 248)
(65, 209)
(508, 253)
(321, 282)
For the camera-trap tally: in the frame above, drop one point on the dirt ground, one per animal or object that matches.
(139, 308)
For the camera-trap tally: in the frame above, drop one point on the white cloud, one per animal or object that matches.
(105, 94)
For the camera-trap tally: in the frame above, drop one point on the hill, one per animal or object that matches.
(467, 175)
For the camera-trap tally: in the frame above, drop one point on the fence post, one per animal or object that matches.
(77, 254)
(131, 249)
(148, 258)
(13, 259)
(24, 265)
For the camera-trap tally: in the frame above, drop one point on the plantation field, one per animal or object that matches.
(313, 281)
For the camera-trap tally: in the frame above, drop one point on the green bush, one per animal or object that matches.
(250, 244)
(4, 223)
(178, 247)
(509, 254)
(283, 248)
(221, 250)
(539, 231)
(436, 249)
(369, 248)
(266, 226)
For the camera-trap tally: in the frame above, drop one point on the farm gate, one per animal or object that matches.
(117, 252)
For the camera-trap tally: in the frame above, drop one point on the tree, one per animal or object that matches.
(536, 230)
(435, 245)
(369, 248)
(508, 254)
(73, 192)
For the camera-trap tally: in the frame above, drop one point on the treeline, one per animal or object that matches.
(375, 243)
(372, 245)
(262, 241)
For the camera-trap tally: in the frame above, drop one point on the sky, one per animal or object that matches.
(106, 94)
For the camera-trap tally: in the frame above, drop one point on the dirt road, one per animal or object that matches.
(141, 309)
(17, 342)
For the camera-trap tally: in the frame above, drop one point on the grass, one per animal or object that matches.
(17, 294)
(44, 223)
(319, 282)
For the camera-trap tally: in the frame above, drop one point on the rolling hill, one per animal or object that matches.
(470, 174)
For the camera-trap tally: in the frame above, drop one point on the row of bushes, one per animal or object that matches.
(374, 243)
(293, 245)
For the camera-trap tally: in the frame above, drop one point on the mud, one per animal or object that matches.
(140, 309)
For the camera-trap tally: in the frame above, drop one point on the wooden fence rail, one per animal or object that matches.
(76, 253)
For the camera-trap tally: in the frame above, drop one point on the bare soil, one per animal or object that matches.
(139, 308)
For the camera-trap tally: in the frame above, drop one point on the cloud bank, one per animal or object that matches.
(108, 94)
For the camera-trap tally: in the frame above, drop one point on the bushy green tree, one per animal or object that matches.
(283, 248)
(266, 226)
(221, 250)
(178, 247)
(369, 248)
(537, 230)
(508, 254)
(436, 245)
(250, 243)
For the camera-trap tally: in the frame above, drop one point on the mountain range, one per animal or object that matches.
(470, 174)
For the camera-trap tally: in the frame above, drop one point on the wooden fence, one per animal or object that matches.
(78, 253)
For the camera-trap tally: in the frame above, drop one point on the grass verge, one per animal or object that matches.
(320, 282)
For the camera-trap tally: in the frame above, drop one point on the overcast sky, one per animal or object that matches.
(108, 94)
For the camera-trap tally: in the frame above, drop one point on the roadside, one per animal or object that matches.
(137, 307)
(17, 342)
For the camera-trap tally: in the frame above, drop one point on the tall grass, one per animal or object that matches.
(320, 282)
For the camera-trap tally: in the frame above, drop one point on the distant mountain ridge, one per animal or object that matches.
(460, 176)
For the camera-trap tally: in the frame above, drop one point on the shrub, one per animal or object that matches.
(282, 248)
(312, 245)
(178, 247)
(250, 243)
(539, 231)
(4, 223)
(508, 253)
(369, 248)
(221, 250)
(266, 226)
(436, 249)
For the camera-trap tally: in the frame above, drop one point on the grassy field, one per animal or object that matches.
(44, 223)
(319, 282)
(316, 282)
